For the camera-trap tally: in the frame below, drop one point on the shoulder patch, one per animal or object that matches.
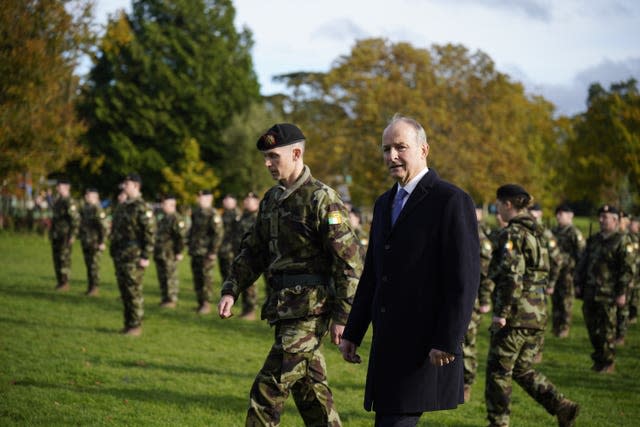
(552, 243)
(629, 248)
(335, 218)
(102, 215)
(181, 224)
(487, 246)
(216, 219)
(149, 214)
(509, 245)
(72, 207)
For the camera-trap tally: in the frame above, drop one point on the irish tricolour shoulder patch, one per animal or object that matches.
(335, 218)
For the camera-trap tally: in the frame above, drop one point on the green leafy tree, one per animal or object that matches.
(166, 73)
(41, 41)
(605, 146)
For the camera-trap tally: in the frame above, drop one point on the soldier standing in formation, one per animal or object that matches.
(205, 236)
(230, 217)
(132, 236)
(519, 268)
(64, 227)
(304, 245)
(603, 275)
(251, 203)
(481, 306)
(571, 244)
(634, 300)
(169, 244)
(622, 312)
(93, 233)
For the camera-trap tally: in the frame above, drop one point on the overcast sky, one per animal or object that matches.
(556, 48)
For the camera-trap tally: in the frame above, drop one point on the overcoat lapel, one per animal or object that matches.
(421, 191)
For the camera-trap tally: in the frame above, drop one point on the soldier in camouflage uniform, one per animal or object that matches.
(93, 233)
(169, 244)
(132, 236)
(519, 267)
(602, 278)
(251, 203)
(571, 244)
(481, 306)
(634, 301)
(304, 245)
(205, 237)
(622, 313)
(230, 218)
(64, 227)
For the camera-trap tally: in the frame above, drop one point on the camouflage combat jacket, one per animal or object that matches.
(93, 226)
(571, 244)
(230, 220)
(555, 255)
(65, 220)
(486, 284)
(170, 237)
(520, 269)
(605, 270)
(132, 230)
(206, 232)
(305, 246)
(243, 226)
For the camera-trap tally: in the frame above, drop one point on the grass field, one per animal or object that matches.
(62, 361)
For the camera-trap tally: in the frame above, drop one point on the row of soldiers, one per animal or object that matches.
(137, 233)
(603, 270)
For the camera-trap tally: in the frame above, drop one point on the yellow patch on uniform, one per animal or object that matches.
(579, 237)
(217, 219)
(629, 248)
(102, 215)
(636, 245)
(487, 246)
(552, 244)
(72, 207)
(181, 224)
(509, 245)
(335, 218)
(149, 214)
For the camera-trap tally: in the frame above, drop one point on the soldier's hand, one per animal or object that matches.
(144, 263)
(71, 240)
(440, 358)
(548, 291)
(336, 333)
(348, 350)
(621, 300)
(224, 306)
(498, 322)
(179, 257)
(484, 308)
(578, 292)
(212, 257)
(102, 247)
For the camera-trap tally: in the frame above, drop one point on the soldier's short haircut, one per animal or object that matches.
(421, 135)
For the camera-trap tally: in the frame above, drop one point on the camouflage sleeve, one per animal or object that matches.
(507, 270)
(578, 245)
(178, 235)
(146, 231)
(341, 241)
(626, 258)
(74, 218)
(216, 231)
(249, 263)
(555, 260)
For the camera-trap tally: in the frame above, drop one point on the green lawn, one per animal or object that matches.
(62, 361)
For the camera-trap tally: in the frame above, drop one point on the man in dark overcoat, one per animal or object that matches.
(419, 283)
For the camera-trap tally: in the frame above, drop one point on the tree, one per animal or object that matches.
(483, 129)
(605, 146)
(41, 41)
(166, 73)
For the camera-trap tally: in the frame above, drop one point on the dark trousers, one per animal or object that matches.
(397, 420)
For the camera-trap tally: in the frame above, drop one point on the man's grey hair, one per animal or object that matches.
(421, 135)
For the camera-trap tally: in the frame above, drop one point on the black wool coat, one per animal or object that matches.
(419, 283)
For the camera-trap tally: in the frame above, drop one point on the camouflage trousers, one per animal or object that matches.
(294, 365)
(562, 302)
(511, 353)
(469, 349)
(202, 270)
(129, 275)
(61, 250)
(92, 257)
(622, 316)
(167, 269)
(600, 319)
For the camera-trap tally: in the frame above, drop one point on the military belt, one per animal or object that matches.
(284, 281)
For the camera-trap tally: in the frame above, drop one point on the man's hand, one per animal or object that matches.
(144, 263)
(336, 333)
(179, 257)
(498, 322)
(440, 358)
(484, 308)
(71, 240)
(348, 350)
(549, 291)
(212, 257)
(224, 306)
(621, 300)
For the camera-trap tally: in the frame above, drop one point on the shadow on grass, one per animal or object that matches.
(184, 369)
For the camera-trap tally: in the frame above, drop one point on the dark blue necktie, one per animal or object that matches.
(397, 204)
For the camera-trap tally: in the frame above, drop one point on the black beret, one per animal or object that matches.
(608, 209)
(204, 193)
(535, 207)
(564, 208)
(624, 214)
(64, 181)
(280, 135)
(133, 176)
(251, 195)
(229, 195)
(91, 190)
(169, 196)
(508, 191)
